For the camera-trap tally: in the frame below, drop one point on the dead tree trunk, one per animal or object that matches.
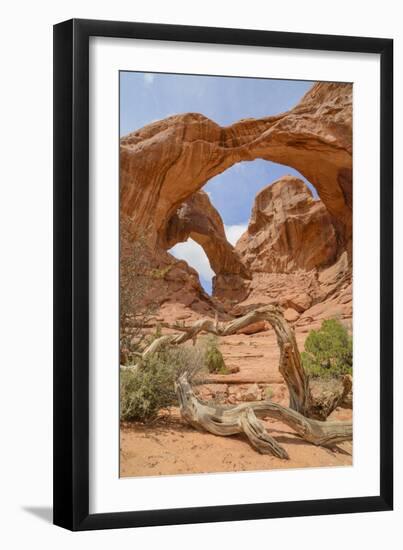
(290, 366)
(224, 421)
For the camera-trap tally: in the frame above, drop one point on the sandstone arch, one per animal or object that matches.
(197, 219)
(165, 162)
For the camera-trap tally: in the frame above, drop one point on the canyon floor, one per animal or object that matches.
(170, 446)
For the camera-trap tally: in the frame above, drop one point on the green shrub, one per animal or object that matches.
(328, 351)
(160, 273)
(213, 357)
(268, 392)
(148, 389)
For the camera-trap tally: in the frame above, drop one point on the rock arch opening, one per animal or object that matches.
(194, 255)
(165, 165)
(205, 229)
(233, 191)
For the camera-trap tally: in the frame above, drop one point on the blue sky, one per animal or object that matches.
(146, 97)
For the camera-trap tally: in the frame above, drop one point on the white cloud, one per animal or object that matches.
(195, 256)
(148, 78)
(234, 232)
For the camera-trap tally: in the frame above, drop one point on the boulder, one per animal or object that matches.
(232, 369)
(249, 393)
(300, 301)
(291, 315)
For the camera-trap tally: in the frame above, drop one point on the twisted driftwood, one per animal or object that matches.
(243, 418)
(301, 398)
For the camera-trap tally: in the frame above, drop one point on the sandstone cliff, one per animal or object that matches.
(288, 230)
(297, 250)
(164, 163)
(290, 249)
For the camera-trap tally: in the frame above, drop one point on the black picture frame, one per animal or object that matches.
(71, 274)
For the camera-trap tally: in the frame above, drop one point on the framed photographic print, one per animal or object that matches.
(223, 320)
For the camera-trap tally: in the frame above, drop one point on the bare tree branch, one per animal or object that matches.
(225, 421)
(290, 365)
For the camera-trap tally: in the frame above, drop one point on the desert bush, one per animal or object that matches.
(213, 357)
(268, 392)
(161, 272)
(149, 388)
(136, 286)
(328, 351)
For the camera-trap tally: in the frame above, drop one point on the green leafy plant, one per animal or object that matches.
(268, 392)
(150, 387)
(328, 351)
(213, 357)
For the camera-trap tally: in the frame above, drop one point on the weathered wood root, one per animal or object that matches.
(258, 436)
(290, 366)
(219, 421)
(243, 418)
(347, 395)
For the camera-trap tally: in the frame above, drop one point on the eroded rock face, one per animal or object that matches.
(197, 219)
(165, 162)
(306, 299)
(298, 250)
(290, 249)
(288, 230)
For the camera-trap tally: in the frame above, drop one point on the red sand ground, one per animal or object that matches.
(170, 446)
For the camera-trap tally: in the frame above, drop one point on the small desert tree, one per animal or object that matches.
(135, 288)
(328, 351)
(213, 357)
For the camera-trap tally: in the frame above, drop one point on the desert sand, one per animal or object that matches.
(170, 446)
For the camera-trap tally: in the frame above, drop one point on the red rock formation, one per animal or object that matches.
(164, 163)
(290, 249)
(288, 230)
(293, 239)
(199, 220)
